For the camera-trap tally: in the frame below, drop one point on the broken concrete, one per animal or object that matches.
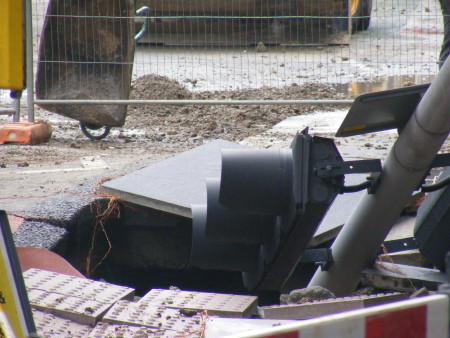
(309, 294)
(323, 307)
(402, 278)
(72, 303)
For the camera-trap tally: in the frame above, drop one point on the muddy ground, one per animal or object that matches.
(30, 175)
(165, 129)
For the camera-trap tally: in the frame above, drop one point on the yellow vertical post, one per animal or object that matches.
(11, 45)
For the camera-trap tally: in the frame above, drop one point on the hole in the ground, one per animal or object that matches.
(144, 249)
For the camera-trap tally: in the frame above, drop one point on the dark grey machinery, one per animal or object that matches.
(263, 211)
(267, 205)
(432, 230)
(403, 171)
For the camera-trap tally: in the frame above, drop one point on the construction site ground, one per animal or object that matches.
(29, 174)
(46, 186)
(52, 179)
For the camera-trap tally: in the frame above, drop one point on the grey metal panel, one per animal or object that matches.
(383, 110)
(339, 211)
(176, 183)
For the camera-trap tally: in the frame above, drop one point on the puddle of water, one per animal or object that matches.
(319, 123)
(354, 89)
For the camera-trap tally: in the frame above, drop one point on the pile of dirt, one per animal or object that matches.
(165, 129)
(189, 124)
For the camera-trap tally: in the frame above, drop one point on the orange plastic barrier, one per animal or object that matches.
(25, 133)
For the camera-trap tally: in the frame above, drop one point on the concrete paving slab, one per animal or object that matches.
(403, 228)
(319, 123)
(402, 278)
(173, 184)
(328, 306)
(223, 305)
(311, 310)
(408, 257)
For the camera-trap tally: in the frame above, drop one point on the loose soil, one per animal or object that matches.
(165, 130)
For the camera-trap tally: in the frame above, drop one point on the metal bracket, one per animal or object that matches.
(321, 256)
(333, 169)
(441, 160)
(398, 245)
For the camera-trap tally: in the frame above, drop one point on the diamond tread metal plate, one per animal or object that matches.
(157, 317)
(223, 305)
(50, 326)
(79, 310)
(76, 287)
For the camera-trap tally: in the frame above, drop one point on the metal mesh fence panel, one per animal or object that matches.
(403, 38)
(234, 44)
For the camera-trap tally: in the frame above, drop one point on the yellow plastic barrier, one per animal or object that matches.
(11, 45)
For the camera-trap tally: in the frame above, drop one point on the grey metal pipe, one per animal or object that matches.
(16, 117)
(7, 111)
(29, 60)
(405, 166)
(196, 102)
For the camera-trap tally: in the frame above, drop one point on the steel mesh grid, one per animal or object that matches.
(404, 38)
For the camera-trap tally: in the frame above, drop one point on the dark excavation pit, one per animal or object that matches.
(144, 249)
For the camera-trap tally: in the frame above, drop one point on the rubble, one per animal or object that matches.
(318, 308)
(309, 294)
(78, 304)
(404, 278)
(172, 312)
(77, 299)
(123, 315)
